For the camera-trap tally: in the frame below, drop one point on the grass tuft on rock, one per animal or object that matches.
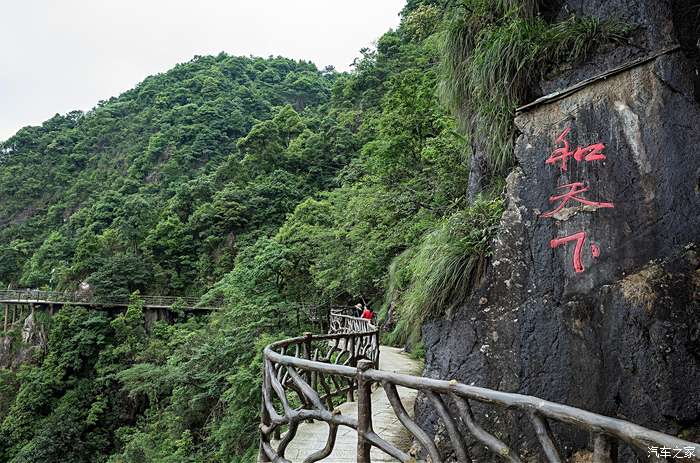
(439, 274)
(492, 51)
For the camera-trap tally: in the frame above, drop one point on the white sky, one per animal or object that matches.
(61, 55)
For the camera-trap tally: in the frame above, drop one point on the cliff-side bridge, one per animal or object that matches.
(318, 404)
(16, 302)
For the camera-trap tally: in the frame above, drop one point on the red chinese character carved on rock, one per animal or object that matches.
(580, 239)
(589, 153)
(574, 189)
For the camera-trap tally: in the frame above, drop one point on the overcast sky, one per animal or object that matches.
(56, 56)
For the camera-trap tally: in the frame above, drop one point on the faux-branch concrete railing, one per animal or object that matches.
(307, 377)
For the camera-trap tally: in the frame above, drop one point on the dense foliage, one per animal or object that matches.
(265, 181)
(156, 190)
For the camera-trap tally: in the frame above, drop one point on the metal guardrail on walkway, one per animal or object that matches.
(31, 296)
(305, 377)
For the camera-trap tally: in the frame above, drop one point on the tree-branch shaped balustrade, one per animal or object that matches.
(305, 377)
(341, 322)
(294, 392)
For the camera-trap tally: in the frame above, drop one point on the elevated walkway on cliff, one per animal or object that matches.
(15, 303)
(58, 299)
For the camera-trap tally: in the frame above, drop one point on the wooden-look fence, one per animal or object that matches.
(305, 377)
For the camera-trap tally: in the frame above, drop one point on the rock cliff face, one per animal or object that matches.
(592, 299)
(19, 346)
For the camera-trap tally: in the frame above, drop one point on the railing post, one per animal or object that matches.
(7, 314)
(307, 356)
(350, 347)
(376, 349)
(364, 411)
(265, 420)
(604, 449)
(310, 376)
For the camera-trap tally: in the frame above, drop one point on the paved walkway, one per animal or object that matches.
(312, 436)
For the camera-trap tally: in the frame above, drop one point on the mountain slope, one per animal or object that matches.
(89, 195)
(266, 181)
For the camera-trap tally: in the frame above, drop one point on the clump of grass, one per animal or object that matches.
(399, 278)
(417, 351)
(492, 50)
(441, 272)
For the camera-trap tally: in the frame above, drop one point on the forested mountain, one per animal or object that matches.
(266, 181)
(160, 188)
(156, 189)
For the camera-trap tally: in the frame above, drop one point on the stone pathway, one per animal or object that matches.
(312, 436)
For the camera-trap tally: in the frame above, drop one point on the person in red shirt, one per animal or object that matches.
(367, 313)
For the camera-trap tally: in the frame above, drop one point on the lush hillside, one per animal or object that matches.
(266, 180)
(271, 183)
(156, 189)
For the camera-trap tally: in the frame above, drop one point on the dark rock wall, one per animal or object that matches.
(653, 28)
(622, 336)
